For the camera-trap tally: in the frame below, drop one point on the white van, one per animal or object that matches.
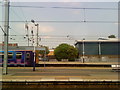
(115, 67)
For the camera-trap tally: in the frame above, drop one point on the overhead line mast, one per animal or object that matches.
(6, 30)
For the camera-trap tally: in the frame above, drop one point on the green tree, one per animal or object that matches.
(112, 36)
(65, 51)
(42, 52)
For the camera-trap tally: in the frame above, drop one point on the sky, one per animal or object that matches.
(62, 21)
(64, 0)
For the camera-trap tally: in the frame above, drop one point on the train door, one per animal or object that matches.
(1, 58)
(19, 58)
(27, 59)
(11, 60)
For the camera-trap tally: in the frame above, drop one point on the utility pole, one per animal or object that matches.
(36, 43)
(27, 28)
(37, 32)
(99, 51)
(83, 50)
(6, 29)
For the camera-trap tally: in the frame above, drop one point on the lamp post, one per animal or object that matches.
(27, 28)
(37, 31)
(34, 59)
(83, 50)
(33, 48)
(36, 43)
(99, 47)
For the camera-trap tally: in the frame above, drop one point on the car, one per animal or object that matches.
(115, 67)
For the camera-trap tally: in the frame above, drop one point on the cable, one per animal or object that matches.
(27, 6)
(84, 21)
(69, 21)
(59, 36)
(84, 15)
(16, 14)
(86, 8)
(64, 7)
(15, 32)
(3, 30)
(22, 11)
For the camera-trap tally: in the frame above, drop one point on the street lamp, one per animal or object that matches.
(27, 28)
(99, 47)
(83, 49)
(37, 30)
(34, 45)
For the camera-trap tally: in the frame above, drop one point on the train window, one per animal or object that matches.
(10, 55)
(1, 55)
(18, 55)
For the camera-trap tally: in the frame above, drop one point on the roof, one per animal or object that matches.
(81, 41)
(98, 40)
(9, 44)
(23, 48)
(51, 53)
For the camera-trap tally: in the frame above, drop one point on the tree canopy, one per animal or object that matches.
(65, 51)
(112, 36)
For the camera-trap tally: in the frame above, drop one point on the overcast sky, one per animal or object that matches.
(100, 20)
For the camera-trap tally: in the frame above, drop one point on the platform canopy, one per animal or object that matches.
(22, 48)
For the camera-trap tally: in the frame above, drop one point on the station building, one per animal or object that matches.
(99, 50)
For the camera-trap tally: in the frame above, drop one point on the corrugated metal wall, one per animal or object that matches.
(92, 48)
(109, 48)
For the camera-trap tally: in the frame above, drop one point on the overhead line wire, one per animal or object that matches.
(22, 11)
(69, 21)
(64, 7)
(17, 14)
(58, 36)
(16, 32)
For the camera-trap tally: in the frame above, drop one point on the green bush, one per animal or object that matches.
(65, 51)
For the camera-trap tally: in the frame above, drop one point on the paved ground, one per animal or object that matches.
(60, 74)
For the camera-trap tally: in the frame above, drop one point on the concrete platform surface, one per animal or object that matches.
(41, 74)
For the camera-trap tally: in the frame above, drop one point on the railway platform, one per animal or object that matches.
(60, 77)
(75, 64)
(26, 74)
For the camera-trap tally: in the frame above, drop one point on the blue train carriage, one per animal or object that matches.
(24, 57)
(18, 58)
